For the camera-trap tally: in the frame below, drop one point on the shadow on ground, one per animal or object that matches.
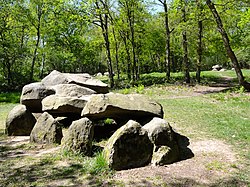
(186, 182)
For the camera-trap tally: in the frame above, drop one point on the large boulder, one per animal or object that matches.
(19, 122)
(79, 137)
(119, 106)
(33, 94)
(166, 149)
(56, 77)
(71, 90)
(128, 147)
(166, 154)
(58, 105)
(46, 130)
(159, 131)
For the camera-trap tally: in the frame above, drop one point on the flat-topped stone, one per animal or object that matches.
(83, 79)
(33, 94)
(55, 104)
(71, 90)
(119, 106)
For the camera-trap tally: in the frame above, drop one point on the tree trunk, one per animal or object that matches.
(104, 26)
(199, 53)
(228, 48)
(38, 35)
(167, 32)
(185, 47)
(35, 54)
(125, 38)
(107, 44)
(130, 15)
(116, 54)
(43, 61)
(199, 43)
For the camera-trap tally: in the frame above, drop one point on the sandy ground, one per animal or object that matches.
(214, 164)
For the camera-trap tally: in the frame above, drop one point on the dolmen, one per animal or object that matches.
(133, 124)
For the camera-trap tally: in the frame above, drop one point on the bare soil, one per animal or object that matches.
(214, 164)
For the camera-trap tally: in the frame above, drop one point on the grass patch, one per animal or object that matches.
(4, 110)
(156, 78)
(215, 165)
(217, 115)
(56, 169)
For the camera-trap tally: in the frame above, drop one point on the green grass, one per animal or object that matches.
(4, 110)
(224, 116)
(156, 78)
(55, 169)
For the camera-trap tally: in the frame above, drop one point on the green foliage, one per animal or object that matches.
(108, 121)
(62, 35)
(10, 97)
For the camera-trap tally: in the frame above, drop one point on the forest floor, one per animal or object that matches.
(215, 162)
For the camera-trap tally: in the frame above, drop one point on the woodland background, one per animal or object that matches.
(125, 38)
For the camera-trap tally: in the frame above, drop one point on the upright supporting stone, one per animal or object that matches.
(46, 130)
(79, 137)
(19, 122)
(129, 147)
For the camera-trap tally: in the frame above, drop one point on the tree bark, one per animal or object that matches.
(167, 32)
(185, 47)
(116, 54)
(199, 43)
(103, 18)
(230, 52)
(38, 35)
(125, 38)
(130, 16)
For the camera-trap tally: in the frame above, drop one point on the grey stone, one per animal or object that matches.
(85, 80)
(166, 154)
(33, 94)
(99, 74)
(46, 130)
(164, 138)
(222, 70)
(19, 122)
(79, 137)
(216, 67)
(119, 106)
(59, 105)
(128, 147)
(71, 90)
(159, 131)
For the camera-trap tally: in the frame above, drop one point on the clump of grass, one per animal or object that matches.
(215, 165)
(99, 165)
(96, 165)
